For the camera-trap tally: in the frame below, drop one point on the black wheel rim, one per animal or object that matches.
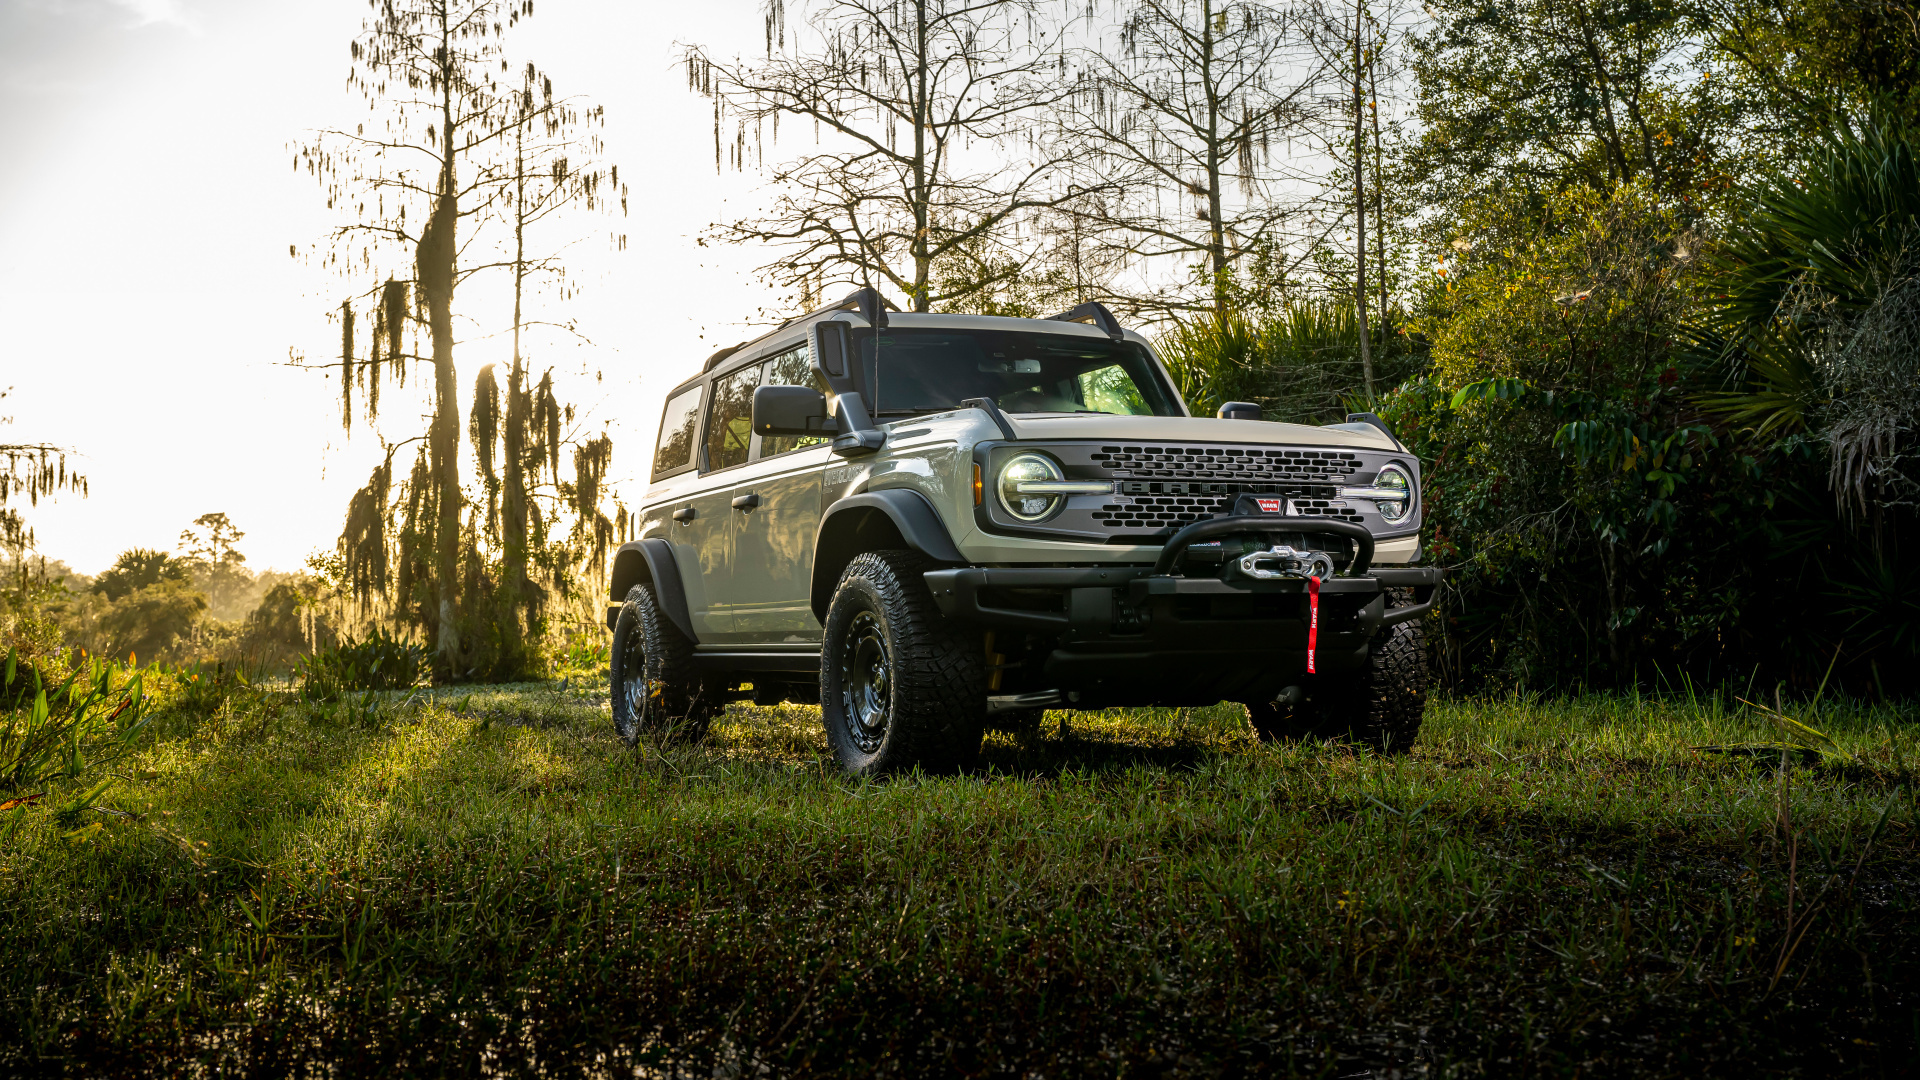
(866, 681)
(635, 689)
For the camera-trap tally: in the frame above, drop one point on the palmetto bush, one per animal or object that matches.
(1819, 319)
(378, 661)
(1300, 362)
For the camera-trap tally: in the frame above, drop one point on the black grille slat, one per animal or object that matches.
(1252, 464)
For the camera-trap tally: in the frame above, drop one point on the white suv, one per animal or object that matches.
(931, 523)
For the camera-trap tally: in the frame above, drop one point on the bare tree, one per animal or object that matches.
(551, 169)
(1360, 194)
(455, 169)
(913, 97)
(1183, 119)
(426, 71)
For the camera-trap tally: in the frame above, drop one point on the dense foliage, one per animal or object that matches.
(1663, 370)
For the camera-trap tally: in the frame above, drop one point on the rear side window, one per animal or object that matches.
(790, 368)
(730, 418)
(678, 423)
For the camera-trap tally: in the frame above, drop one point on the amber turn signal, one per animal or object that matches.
(979, 489)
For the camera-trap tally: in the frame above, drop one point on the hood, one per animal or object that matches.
(1040, 427)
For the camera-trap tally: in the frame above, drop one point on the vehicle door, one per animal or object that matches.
(702, 534)
(776, 512)
(676, 499)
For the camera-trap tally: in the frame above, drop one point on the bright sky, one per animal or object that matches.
(149, 303)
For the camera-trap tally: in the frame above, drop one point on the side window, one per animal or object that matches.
(677, 425)
(730, 418)
(790, 368)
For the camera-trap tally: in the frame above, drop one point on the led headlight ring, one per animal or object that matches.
(1029, 505)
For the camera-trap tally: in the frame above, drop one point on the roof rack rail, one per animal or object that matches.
(714, 360)
(868, 302)
(1092, 312)
(872, 307)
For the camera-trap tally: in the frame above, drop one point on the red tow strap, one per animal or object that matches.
(1313, 619)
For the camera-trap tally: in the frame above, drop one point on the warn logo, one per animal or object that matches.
(1272, 506)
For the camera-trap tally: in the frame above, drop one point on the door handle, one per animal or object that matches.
(685, 514)
(746, 502)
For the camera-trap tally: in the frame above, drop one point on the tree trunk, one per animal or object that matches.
(434, 267)
(518, 590)
(922, 195)
(1379, 193)
(1216, 214)
(1360, 206)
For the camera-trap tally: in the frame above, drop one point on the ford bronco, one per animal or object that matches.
(932, 524)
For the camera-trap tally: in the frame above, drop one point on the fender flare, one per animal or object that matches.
(872, 521)
(649, 562)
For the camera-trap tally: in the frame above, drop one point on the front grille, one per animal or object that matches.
(1153, 513)
(1248, 464)
(1159, 488)
(1173, 486)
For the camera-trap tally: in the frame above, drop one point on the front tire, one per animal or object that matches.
(1384, 709)
(899, 687)
(653, 685)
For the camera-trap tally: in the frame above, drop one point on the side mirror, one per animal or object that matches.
(791, 410)
(1239, 410)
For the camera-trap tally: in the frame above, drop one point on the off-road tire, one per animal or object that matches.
(899, 686)
(1383, 709)
(668, 696)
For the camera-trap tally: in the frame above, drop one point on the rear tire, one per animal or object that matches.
(653, 685)
(899, 686)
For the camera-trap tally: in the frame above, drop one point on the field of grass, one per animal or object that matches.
(488, 881)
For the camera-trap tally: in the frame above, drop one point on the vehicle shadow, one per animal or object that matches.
(1076, 742)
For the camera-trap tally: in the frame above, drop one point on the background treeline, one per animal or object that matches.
(1636, 280)
(199, 603)
(1669, 380)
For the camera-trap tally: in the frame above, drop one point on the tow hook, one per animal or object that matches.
(1285, 561)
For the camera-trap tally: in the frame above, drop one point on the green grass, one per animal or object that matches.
(489, 882)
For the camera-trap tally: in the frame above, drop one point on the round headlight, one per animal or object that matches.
(1026, 468)
(1394, 478)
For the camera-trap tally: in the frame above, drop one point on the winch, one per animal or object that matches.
(1286, 561)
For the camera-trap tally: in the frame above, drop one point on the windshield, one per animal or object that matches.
(923, 371)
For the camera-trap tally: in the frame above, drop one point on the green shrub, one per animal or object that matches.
(1300, 361)
(1602, 526)
(375, 662)
(205, 687)
(56, 733)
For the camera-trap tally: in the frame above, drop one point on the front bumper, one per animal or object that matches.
(1128, 636)
(1132, 635)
